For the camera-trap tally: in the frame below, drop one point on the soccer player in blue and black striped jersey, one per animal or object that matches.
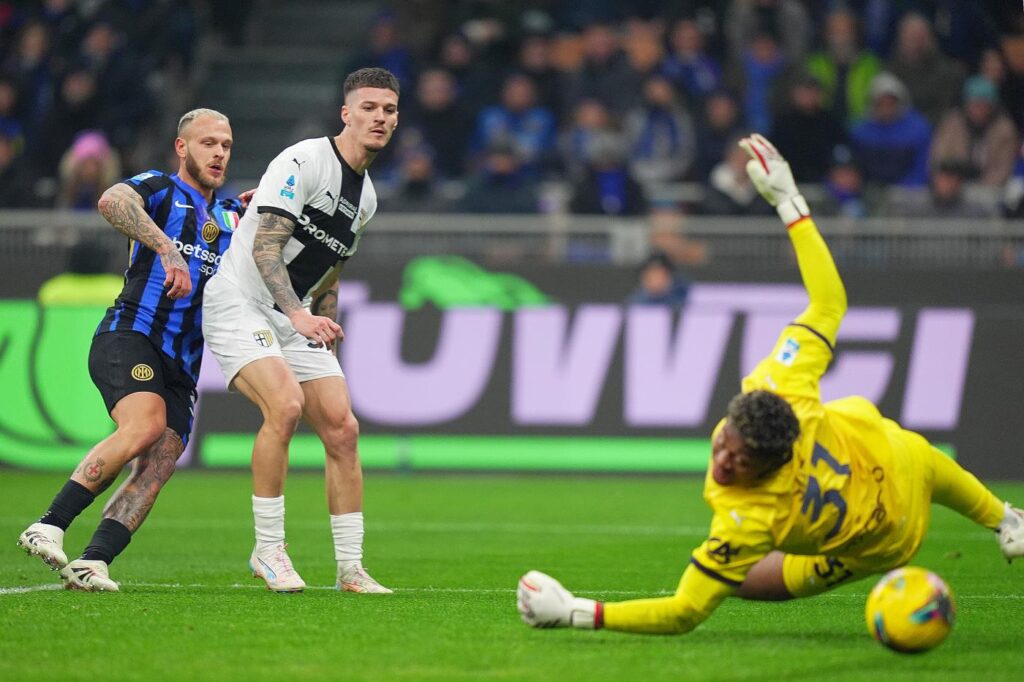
(146, 353)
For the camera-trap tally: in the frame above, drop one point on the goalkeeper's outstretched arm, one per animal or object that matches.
(770, 173)
(544, 603)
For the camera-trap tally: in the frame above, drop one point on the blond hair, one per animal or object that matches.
(185, 120)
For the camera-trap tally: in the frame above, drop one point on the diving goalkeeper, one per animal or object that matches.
(806, 495)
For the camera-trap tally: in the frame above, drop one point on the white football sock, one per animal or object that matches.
(347, 530)
(268, 513)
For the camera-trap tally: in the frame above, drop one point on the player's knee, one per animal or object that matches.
(143, 433)
(284, 414)
(342, 436)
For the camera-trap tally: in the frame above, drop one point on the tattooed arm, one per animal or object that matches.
(325, 299)
(125, 210)
(272, 234)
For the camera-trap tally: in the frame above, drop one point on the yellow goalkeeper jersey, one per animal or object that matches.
(835, 497)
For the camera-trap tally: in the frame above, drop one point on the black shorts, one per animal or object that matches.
(126, 362)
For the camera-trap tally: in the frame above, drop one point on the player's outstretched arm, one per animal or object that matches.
(770, 173)
(126, 211)
(272, 234)
(544, 603)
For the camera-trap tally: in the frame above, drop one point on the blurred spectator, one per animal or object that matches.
(1013, 192)
(536, 62)
(590, 119)
(718, 127)
(660, 134)
(965, 29)
(844, 68)
(441, 119)
(418, 189)
(978, 136)
(16, 181)
(478, 85)
(786, 19)
(642, 44)
(933, 79)
(65, 21)
(385, 49)
(806, 133)
(1010, 86)
(945, 197)
(501, 185)
(125, 102)
(88, 168)
(659, 283)
(76, 107)
(845, 187)
(606, 187)
(762, 64)
(519, 120)
(605, 74)
(668, 233)
(892, 144)
(730, 191)
(10, 124)
(29, 65)
(693, 71)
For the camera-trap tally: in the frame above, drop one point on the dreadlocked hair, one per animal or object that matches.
(767, 425)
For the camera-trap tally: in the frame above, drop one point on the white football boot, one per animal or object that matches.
(275, 568)
(1011, 535)
(356, 579)
(88, 576)
(46, 542)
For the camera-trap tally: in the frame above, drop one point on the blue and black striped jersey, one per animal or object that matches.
(201, 231)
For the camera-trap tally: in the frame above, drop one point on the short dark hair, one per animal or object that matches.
(372, 77)
(767, 425)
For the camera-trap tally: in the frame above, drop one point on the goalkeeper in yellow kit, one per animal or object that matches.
(806, 495)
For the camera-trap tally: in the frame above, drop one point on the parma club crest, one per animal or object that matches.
(263, 337)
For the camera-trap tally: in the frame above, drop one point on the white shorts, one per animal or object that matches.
(239, 330)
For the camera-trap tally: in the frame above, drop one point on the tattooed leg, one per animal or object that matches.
(140, 419)
(151, 470)
(95, 473)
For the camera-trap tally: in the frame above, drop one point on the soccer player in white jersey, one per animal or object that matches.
(270, 321)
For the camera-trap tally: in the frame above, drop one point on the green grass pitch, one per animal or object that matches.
(453, 547)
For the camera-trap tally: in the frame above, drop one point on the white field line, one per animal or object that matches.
(537, 528)
(127, 586)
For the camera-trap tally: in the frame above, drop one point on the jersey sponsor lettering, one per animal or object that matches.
(201, 232)
(324, 237)
(330, 203)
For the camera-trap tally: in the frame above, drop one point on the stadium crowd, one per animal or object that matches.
(912, 108)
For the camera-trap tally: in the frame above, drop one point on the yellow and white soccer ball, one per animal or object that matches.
(910, 610)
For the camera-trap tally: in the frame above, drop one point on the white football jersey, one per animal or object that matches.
(311, 184)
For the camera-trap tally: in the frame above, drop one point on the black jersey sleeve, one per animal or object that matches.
(150, 184)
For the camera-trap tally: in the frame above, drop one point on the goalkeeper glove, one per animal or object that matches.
(544, 603)
(772, 177)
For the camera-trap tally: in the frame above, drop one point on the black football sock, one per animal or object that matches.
(109, 540)
(72, 499)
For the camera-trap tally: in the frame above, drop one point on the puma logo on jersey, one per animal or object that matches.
(297, 162)
(735, 515)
